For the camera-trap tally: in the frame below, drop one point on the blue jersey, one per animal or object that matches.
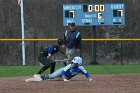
(50, 50)
(69, 71)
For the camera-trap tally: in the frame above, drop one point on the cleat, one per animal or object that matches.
(36, 75)
(33, 79)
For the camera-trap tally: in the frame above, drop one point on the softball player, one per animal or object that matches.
(66, 73)
(45, 57)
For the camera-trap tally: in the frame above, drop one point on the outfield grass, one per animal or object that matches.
(11, 71)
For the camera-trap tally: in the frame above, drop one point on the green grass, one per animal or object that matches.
(112, 69)
(11, 71)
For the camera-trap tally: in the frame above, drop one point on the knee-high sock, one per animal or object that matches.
(52, 67)
(43, 69)
(65, 63)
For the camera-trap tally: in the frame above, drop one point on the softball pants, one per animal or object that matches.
(55, 74)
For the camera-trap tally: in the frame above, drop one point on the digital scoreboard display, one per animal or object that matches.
(94, 14)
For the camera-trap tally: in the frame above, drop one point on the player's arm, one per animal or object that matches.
(85, 73)
(64, 72)
(50, 50)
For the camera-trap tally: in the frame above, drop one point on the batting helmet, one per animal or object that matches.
(77, 60)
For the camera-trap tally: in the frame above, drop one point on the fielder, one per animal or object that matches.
(66, 73)
(45, 57)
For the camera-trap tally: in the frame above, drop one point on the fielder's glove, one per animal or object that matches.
(65, 56)
(51, 58)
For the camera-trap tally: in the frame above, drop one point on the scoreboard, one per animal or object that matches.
(94, 14)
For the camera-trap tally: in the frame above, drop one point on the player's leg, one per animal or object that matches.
(45, 62)
(65, 63)
(56, 74)
(52, 68)
(71, 54)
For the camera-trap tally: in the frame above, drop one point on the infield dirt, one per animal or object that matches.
(105, 83)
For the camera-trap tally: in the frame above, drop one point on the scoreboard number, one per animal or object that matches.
(94, 14)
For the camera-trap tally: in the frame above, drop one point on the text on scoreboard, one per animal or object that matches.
(94, 14)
